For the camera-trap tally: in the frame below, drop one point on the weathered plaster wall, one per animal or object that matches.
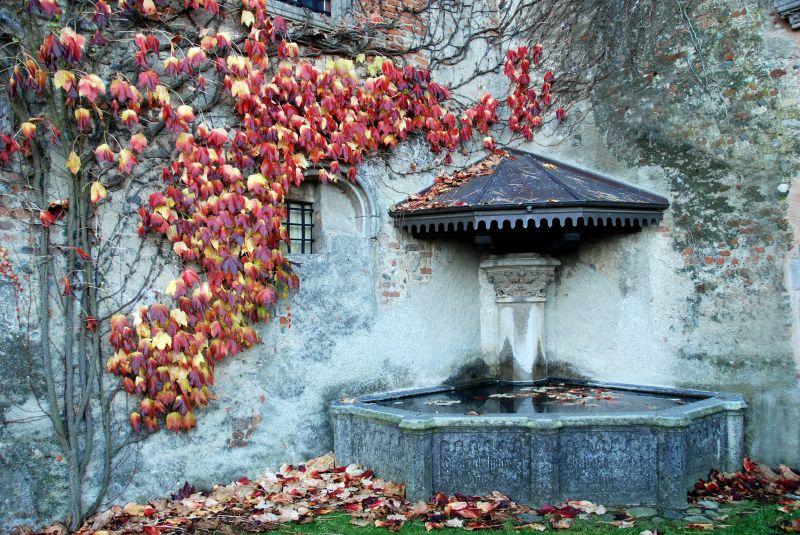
(704, 301)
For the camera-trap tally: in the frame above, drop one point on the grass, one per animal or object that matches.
(746, 518)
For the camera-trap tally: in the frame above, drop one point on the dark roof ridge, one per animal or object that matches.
(595, 174)
(552, 177)
(492, 177)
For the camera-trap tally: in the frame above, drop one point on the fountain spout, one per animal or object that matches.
(520, 282)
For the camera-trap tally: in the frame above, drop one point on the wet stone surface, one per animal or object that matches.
(697, 519)
(708, 504)
(642, 512)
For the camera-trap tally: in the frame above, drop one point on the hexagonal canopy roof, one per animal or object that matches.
(509, 189)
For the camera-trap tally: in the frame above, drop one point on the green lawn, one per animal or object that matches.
(744, 518)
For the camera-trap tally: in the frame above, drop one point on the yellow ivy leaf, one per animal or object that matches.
(248, 18)
(255, 181)
(179, 316)
(162, 340)
(63, 80)
(300, 160)
(179, 248)
(162, 95)
(375, 67)
(345, 65)
(28, 129)
(239, 88)
(172, 287)
(73, 163)
(163, 211)
(143, 330)
(98, 192)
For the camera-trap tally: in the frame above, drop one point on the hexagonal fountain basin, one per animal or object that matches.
(544, 441)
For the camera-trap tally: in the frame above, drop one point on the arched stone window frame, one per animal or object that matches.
(363, 192)
(362, 197)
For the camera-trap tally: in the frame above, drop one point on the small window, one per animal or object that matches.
(300, 227)
(319, 6)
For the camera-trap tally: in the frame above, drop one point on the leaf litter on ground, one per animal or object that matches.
(301, 493)
(304, 492)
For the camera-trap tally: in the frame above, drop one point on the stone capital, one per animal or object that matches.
(520, 277)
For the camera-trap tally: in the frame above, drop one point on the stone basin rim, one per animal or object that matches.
(707, 403)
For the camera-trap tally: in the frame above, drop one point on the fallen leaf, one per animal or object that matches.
(791, 526)
(534, 527)
(563, 523)
(704, 526)
(102, 520)
(620, 523)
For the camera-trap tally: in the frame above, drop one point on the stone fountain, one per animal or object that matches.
(534, 437)
(520, 284)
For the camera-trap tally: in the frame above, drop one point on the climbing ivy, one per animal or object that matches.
(221, 205)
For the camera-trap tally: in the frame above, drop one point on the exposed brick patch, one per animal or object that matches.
(404, 264)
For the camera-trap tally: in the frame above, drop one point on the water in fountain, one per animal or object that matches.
(552, 397)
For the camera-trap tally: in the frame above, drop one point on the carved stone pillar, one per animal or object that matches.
(520, 282)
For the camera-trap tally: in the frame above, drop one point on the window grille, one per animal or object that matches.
(300, 227)
(320, 6)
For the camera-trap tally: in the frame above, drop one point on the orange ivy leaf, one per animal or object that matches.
(174, 421)
(98, 192)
